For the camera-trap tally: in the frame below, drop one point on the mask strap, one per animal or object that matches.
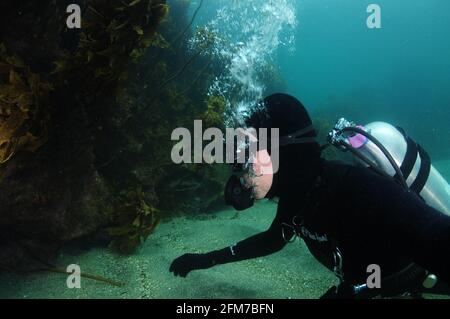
(301, 140)
(301, 132)
(296, 137)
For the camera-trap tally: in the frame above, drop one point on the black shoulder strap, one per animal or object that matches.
(424, 172)
(410, 156)
(412, 152)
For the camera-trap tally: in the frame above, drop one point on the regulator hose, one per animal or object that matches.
(364, 158)
(382, 148)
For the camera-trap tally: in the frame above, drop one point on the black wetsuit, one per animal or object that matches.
(370, 218)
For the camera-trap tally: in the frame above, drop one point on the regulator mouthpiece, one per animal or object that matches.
(237, 194)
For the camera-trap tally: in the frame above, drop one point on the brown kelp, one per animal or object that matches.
(58, 101)
(22, 97)
(85, 123)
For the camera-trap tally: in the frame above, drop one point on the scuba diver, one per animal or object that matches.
(350, 216)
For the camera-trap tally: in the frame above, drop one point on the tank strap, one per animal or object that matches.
(410, 156)
(424, 172)
(412, 152)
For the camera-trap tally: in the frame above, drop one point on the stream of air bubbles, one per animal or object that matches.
(246, 34)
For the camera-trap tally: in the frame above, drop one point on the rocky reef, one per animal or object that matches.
(85, 122)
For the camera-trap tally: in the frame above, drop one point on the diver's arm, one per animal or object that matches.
(259, 245)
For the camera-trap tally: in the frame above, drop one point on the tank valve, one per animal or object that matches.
(430, 281)
(336, 137)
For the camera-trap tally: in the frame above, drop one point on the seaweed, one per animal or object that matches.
(92, 111)
(214, 115)
(180, 36)
(59, 104)
(136, 220)
(207, 39)
(22, 94)
(84, 275)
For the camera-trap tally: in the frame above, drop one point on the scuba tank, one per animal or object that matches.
(389, 151)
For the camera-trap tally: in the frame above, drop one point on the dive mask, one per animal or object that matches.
(250, 182)
(253, 179)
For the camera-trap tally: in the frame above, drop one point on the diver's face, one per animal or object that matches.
(260, 175)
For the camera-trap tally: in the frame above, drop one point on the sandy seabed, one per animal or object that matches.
(290, 273)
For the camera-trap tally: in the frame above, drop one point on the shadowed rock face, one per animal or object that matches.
(50, 201)
(52, 193)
